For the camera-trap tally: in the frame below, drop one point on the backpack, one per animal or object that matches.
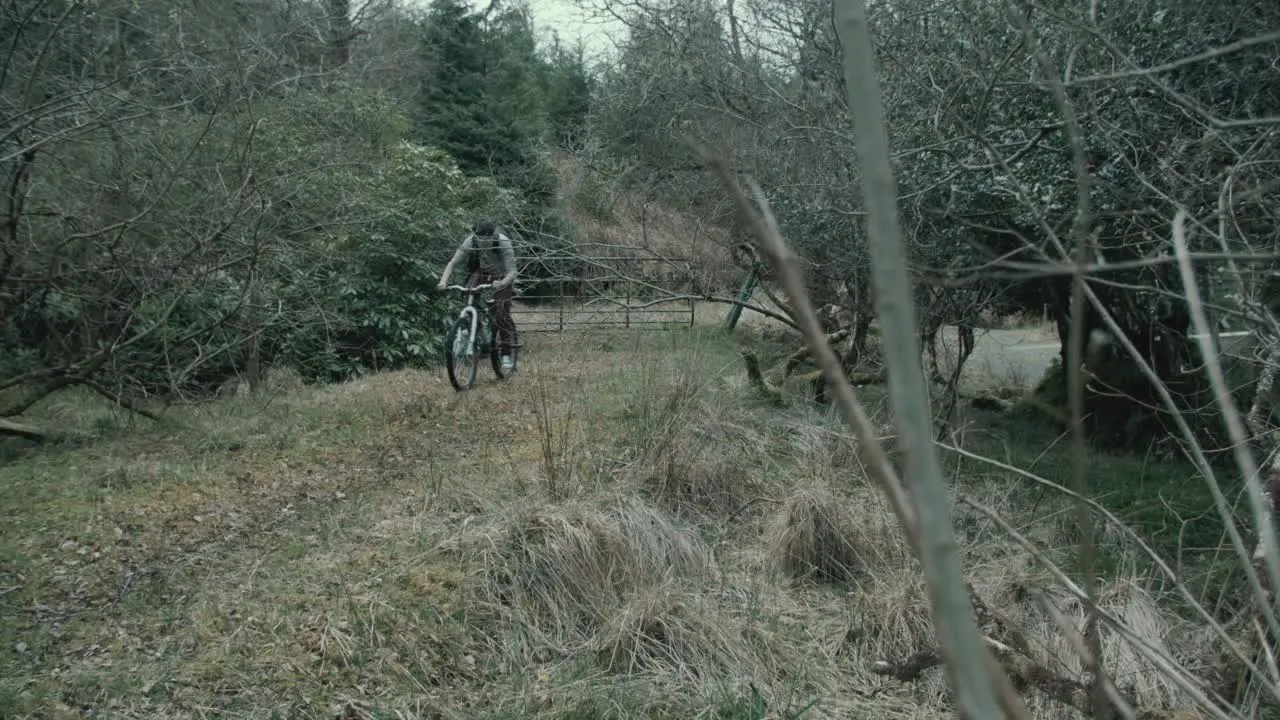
(473, 259)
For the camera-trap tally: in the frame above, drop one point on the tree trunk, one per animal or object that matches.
(733, 32)
(858, 344)
(253, 355)
(8, 427)
(340, 31)
(1122, 408)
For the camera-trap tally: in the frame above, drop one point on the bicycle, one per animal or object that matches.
(473, 335)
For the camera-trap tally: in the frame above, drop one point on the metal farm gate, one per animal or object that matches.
(606, 293)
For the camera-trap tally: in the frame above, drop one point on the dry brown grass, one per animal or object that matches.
(567, 568)
(710, 464)
(823, 535)
(1155, 626)
(892, 622)
(691, 476)
(390, 546)
(665, 632)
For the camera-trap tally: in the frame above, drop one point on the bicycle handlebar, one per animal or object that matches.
(463, 288)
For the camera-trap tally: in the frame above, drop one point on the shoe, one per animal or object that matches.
(507, 363)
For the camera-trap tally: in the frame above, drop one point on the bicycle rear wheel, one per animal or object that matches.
(461, 358)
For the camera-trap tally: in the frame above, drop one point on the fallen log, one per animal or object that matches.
(813, 379)
(991, 403)
(13, 429)
(757, 379)
(794, 359)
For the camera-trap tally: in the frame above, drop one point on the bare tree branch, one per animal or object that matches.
(967, 657)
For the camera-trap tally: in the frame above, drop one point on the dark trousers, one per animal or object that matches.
(501, 310)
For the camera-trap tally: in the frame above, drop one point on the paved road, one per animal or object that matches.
(1018, 358)
(1004, 358)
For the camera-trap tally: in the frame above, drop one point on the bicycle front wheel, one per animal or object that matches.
(460, 357)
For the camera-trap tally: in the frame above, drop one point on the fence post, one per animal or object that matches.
(693, 309)
(560, 304)
(748, 287)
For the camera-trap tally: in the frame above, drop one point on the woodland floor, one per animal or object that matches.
(623, 530)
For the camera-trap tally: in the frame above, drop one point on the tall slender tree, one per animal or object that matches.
(568, 92)
(452, 102)
(480, 100)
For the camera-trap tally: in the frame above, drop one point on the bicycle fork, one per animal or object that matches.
(463, 347)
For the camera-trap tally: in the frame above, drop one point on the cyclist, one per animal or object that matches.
(490, 258)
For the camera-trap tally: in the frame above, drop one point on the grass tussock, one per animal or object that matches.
(821, 535)
(694, 476)
(568, 567)
(891, 622)
(891, 617)
(1155, 630)
(709, 467)
(669, 633)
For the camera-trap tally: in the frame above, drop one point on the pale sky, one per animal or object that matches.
(597, 34)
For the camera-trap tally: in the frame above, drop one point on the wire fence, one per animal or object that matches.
(605, 292)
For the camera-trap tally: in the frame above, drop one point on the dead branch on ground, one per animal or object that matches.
(13, 429)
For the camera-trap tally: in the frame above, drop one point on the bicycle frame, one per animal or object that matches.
(471, 312)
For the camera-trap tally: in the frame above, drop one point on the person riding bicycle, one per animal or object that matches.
(490, 258)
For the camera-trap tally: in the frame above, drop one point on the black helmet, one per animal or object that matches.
(485, 228)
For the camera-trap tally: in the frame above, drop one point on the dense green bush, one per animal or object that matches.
(377, 307)
(253, 204)
(305, 222)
